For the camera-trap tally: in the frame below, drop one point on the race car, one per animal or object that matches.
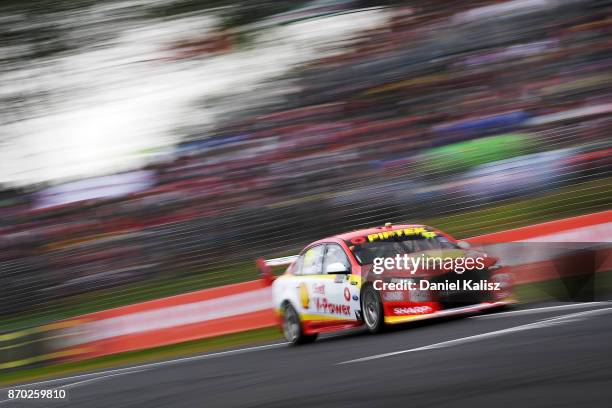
(382, 276)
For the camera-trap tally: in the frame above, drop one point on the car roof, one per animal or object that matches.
(347, 236)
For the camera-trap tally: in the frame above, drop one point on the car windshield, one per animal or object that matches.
(365, 251)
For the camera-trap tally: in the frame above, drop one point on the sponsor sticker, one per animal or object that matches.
(303, 295)
(383, 235)
(323, 305)
(414, 310)
(318, 289)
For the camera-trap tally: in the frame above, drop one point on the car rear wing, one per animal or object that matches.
(264, 266)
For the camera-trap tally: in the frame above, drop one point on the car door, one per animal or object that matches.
(324, 290)
(342, 293)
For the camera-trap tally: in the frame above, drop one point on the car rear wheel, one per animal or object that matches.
(292, 327)
(372, 309)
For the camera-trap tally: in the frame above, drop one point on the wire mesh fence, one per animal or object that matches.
(471, 126)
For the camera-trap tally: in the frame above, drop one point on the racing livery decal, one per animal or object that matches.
(323, 305)
(303, 295)
(401, 233)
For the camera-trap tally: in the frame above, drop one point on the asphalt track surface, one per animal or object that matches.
(535, 356)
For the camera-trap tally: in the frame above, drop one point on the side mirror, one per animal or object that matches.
(463, 245)
(336, 267)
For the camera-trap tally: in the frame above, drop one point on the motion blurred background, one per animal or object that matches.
(150, 148)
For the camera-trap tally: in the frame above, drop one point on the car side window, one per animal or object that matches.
(312, 262)
(296, 268)
(335, 254)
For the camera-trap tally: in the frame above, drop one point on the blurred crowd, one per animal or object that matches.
(447, 108)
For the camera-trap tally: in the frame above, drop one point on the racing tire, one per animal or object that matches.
(372, 310)
(292, 327)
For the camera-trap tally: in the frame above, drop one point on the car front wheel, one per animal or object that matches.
(372, 309)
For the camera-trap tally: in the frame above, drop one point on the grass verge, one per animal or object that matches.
(251, 337)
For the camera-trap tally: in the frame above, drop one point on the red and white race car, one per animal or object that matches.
(382, 276)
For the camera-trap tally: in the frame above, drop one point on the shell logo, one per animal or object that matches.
(303, 295)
